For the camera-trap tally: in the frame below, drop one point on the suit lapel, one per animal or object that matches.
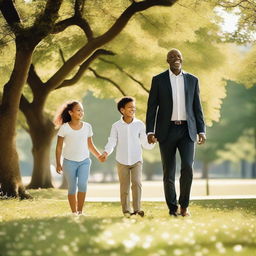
(167, 81)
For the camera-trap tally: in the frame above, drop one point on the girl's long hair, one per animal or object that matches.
(62, 115)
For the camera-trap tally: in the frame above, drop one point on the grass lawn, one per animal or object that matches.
(42, 226)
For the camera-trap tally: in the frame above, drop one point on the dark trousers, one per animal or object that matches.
(178, 138)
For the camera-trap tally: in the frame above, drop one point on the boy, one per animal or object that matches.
(128, 134)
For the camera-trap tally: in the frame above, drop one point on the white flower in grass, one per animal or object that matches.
(162, 252)
(165, 235)
(198, 254)
(65, 248)
(2, 233)
(42, 237)
(238, 248)
(111, 241)
(205, 251)
(134, 237)
(213, 238)
(26, 253)
(177, 252)
(176, 237)
(128, 244)
(107, 234)
(38, 252)
(220, 247)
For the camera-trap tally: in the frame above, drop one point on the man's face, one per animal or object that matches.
(174, 58)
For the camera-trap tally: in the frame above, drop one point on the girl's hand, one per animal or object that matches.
(59, 168)
(103, 157)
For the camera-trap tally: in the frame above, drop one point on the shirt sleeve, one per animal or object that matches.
(90, 132)
(62, 131)
(144, 139)
(112, 140)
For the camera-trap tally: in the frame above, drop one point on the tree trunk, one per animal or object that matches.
(205, 175)
(253, 170)
(10, 178)
(243, 168)
(42, 133)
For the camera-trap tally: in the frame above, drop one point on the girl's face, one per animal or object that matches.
(129, 109)
(77, 112)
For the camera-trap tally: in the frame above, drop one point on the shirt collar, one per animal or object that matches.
(172, 74)
(123, 122)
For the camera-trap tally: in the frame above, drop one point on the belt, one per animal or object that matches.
(179, 122)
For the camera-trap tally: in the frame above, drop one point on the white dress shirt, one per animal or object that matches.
(128, 139)
(178, 96)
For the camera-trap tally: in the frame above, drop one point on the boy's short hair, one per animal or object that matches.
(123, 101)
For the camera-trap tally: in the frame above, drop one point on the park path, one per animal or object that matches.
(153, 190)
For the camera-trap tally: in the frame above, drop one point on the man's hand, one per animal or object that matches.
(152, 139)
(103, 157)
(201, 138)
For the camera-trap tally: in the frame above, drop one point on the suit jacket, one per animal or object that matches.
(160, 106)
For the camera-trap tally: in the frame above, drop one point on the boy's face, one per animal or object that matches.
(129, 109)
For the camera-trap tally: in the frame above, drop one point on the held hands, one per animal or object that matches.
(103, 157)
(59, 168)
(152, 139)
(201, 138)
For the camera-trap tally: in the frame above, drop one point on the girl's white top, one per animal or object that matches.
(75, 146)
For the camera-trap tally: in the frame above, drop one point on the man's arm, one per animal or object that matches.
(152, 110)
(200, 125)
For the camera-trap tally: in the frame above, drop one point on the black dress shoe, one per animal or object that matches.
(140, 213)
(173, 213)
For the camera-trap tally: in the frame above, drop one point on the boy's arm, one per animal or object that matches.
(144, 139)
(112, 141)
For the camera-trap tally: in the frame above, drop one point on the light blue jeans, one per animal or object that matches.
(76, 174)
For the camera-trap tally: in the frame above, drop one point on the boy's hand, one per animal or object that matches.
(103, 157)
(152, 139)
(59, 168)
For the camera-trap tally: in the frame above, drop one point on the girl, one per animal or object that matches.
(75, 137)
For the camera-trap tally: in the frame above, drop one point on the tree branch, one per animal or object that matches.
(44, 24)
(126, 73)
(108, 80)
(10, 13)
(95, 43)
(62, 55)
(135, 7)
(34, 81)
(83, 67)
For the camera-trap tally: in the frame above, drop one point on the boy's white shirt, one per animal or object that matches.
(128, 139)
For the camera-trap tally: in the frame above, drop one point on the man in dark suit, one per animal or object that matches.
(175, 119)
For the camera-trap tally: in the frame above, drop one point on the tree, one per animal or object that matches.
(237, 119)
(27, 37)
(26, 40)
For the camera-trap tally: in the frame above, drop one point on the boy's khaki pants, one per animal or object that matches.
(130, 174)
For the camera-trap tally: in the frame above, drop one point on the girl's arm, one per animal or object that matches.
(58, 153)
(92, 148)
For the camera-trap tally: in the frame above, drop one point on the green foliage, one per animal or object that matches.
(232, 138)
(247, 74)
(216, 227)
